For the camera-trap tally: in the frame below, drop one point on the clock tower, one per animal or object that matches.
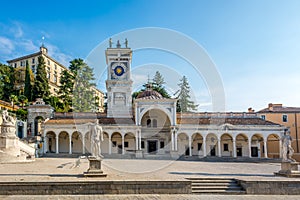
(119, 83)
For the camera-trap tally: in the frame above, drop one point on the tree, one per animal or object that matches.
(184, 104)
(28, 82)
(41, 85)
(13, 99)
(22, 99)
(158, 85)
(83, 98)
(66, 90)
(55, 103)
(7, 80)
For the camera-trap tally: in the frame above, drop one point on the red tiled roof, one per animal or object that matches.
(104, 121)
(278, 109)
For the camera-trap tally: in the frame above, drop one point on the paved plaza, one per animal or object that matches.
(71, 169)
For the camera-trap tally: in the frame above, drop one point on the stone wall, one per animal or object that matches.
(95, 187)
(281, 187)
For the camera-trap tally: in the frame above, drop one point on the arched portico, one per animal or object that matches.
(243, 147)
(64, 142)
(273, 146)
(117, 146)
(76, 143)
(50, 141)
(183, 144)
(197, 144)
(257, 146)
(228, 145)
(212, 144)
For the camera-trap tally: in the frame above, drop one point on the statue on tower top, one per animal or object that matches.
(110, 43)
(118, 44)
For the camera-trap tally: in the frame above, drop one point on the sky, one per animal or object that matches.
(254, 44)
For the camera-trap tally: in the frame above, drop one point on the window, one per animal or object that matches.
(126, 144)
(55, 79)
(33, 61)
(33, 68)
(55, 66)
(162, 144)
(154, 123)
(199, 146)
(16, 65)
(142, 144)
(48, 75)
(114, 143)
(48, 62)
(148, 122)
(225, 147)
(22, 63)
(284, 118)
(263, 117)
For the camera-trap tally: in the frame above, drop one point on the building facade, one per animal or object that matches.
(288, 117)
(149, 126)
(53, 69)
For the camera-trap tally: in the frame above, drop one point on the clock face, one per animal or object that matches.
(119, 70)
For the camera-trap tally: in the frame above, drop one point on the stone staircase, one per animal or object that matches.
(216, 186)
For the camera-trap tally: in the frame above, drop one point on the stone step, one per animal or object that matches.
(231, 192)
(216, 188)
(212, 183)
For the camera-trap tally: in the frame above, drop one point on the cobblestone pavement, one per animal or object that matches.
(152, 197)
(71, 169)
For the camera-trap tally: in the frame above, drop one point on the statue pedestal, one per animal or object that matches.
(94, 168)
(289, 169)
(174, 154)
(139, 154)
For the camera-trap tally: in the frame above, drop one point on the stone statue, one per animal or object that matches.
(96, 139)
(126, 43)
(118, 44)
(7, 120)
(287, 149)
(110, 42)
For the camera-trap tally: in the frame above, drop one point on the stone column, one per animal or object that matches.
(265, 148)
(140, 139)
(234, 147)
(172, 141)
(83, 144)
(219, 147)
(109, 144)
(249, 147)
(70, 144)
(204, 146)
(46, 145)
(137, 140)
(56, 143)
(190, 145)
(280, 148)
(175, 141)
(123, 148)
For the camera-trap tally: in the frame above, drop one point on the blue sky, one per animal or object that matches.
(254, 44)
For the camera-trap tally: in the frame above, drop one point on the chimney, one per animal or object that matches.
(270, 106)
(250, 110)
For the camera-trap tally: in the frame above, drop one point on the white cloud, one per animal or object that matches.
(6, 45)
(28, 45)
(16, 29)
(55, 52)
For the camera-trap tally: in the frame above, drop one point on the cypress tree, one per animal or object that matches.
(41, 85)
(28, 82)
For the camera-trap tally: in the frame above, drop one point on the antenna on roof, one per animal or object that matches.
(43, 38)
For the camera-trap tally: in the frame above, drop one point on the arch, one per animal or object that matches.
(129, 142)
(273, 146)
(183, 144)
(76, 142)
(212, 144)
(257, 145)
(105, 143)
(87, 142)
(197, 144)
(155, 118)
(37, 123)
(242, 145)
(50, 141)
(116, 139)
(154, 123)
(156, 107)
(63, 142)
(227, 145)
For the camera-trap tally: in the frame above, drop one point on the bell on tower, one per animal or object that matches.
(119, 83)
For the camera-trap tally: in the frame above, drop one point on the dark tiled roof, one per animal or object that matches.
(278, 109)
(150, 94)
(103, 121)
(219, 121)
